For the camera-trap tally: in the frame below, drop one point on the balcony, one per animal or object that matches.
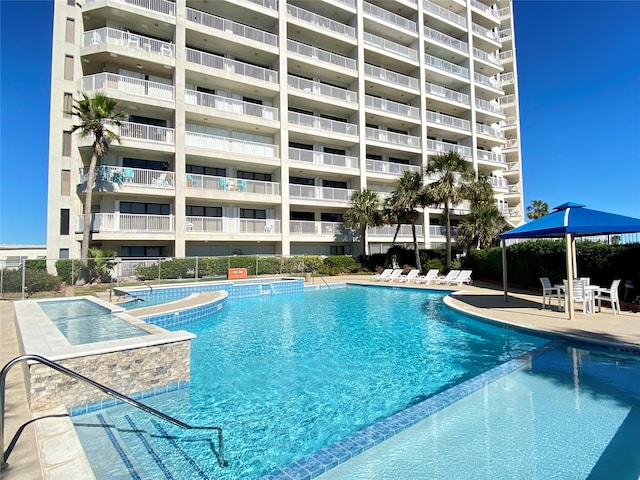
(316, 55)
(514, 188)
(485, 9)
(390, 47)
(498, 182)
(377, 73)
(210, 183)
(489, 131)
(160, 6)
(445, 66)
(386, 16)
(390, 231)
(314, 229)
(124, 177)
(231, 225)
(441, 231)
(322, 158)
(444, 13)
(447, 93)
(325, 124)
(489, 107)
(436, 146)
(445, 39)
(321, 22)
(224, 25)
(111, 82)
(392, 138)
(505, 34)
(133, 43)
(126, 222)
(509, 122)
(507, 78)
(487, 57)
(490, 82)
(507, 100)
(230, 105)
(449, 121)
(230, 145)
(388, 106)
(142, 132)
(310, 192)
(511, 144)
(491, 157)
(391, 168)
(506, 57)
(317, 88)
(485, 32)
(270, 4)
(228, 65)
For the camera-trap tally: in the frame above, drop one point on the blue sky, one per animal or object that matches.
(579, 84)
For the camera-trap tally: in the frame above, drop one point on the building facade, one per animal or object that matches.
(249, 123)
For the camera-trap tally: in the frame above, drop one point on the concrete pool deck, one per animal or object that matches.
(523, 310)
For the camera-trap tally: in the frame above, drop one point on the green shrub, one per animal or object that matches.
(35, 280)
(337, 264)
(65, 267)
(433, 263)
(38, 264)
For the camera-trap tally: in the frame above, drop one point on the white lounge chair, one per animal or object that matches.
(449, 278)
(381, 276)
(431, 276)
(549, 291)
(609, 294)
(394, 275)
(579, 295)
(464, 277)
(412, 275)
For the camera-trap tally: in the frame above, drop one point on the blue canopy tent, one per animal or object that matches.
(569, 220)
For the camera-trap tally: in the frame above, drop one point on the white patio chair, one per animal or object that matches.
(394, 275)
(380, 276)
(160, 181)
(464, 277)
(579, 295)
(611, 295)
(549, 291)
(449, 278)
(431, 276)
(412, 275)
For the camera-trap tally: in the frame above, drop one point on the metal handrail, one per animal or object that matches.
(37, 358)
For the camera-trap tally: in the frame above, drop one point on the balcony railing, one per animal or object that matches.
(391, 168)
(447, 93)
(310, 192)
(445, 66)
(389, 106)
(231, 66)
(226, 184)
(488, 106)
(498, 182)
(232, 225)
(509, 122)
(311, 228)
(490, 131)
(390, 76)
(390, 230)
(126, 222)
(321, 22)
(504, 34)
(487, 81)
(485, 8)
(389, 17)
(311, 121)
(449, 121)
(511, 143)
(131, 41)
(446, 39)
(506, 56)
(133, 177)
(440, 147)
(506, 78)
(270, 4)
(230, 105)
(160, 6)
(485, 32)
(441, 231)
(231, 145)
(487, 57)
(319, 55)
(515, 188)
(235, 28)
(144, 132)
(444, 13)
(390, 47)
(492, 157)
(507, 100)
(322, 158)
(393, 138)
(318, 88)
(132, 86)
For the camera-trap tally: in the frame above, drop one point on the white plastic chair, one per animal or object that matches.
(431, 276)
(449, 278)
(579, 295)
(381, 276)
(549, 291)
(412, 275)
(611, 295)
(464, 277)
(394, 275)
(161, 181)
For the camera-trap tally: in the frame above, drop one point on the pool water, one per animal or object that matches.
(286, 376)
(83, 321)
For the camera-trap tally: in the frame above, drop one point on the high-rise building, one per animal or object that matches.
(249, 123)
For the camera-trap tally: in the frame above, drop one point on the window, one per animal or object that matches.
(66, 144)
(308, 216)
(301, 146)
(337, 250)
(301, 181)
(253, 213)
(67, 106)
(371, 156)
(143, 251)
(334, 184)
(63, 253)
(65, 183)
(68, 67)
(139, 208)
(398, 160)
(264, 177)
(300, 110)
(334, 118)
(64, 221)
(145, 164)
(199, 170)
(395, 130)
(156, 122)
(200, 211)
(334, 151)
(70, 31)
(252, 100)
(331, 217)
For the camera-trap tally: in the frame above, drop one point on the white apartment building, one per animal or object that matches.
(250, 122)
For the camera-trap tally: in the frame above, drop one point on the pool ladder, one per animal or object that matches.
(37, 358)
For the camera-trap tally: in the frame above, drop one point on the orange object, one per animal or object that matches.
(234, 273)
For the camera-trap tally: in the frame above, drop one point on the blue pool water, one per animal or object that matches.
(82, 321)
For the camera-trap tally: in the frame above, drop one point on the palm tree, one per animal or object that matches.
(481, 227)
(537, 209)
(363, 212)
(402, 203)
(453, 172)
(94, 114)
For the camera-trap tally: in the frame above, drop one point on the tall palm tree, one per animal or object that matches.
(453, 173)
(481, 227)
(537, 209)
(94, 113)
(363, 212)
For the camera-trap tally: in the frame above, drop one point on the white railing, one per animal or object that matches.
(126, 222)
(390, 76)
(318, 88)
(228, 184)
(488, 81)
(141, 131)
(514, 212)
(440, 147)
(511, 143)
(515, 188)
(160, 6)
(232, 225)
(131, 41)
(485, 8)
(389, 106)
(319, 55)
(487, 57)
(311, 121)
(320, 21)
(392, 137)
(444, 13)
(390, 47)
(389, 17)
(490, 131)
(348, 3)
(507, 99)
(504, 34)
(506, 56)
(446, 39)
(309, 227)
(391, 168)
(390, 230)
(447, 93)
(513, 166)
(441, 231)
(492, 157)
(503, 207)
(509, 122)
(231, 66)
(128, 176)
(506, 78)
(445, 66)
(270, 4)
(231, 105)
(448, 120)
(228, 144)
(322, 158)
(235, 28)
(129, 85)
(498, 182)
(311, 192)
(488, 106)
(485, 32)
